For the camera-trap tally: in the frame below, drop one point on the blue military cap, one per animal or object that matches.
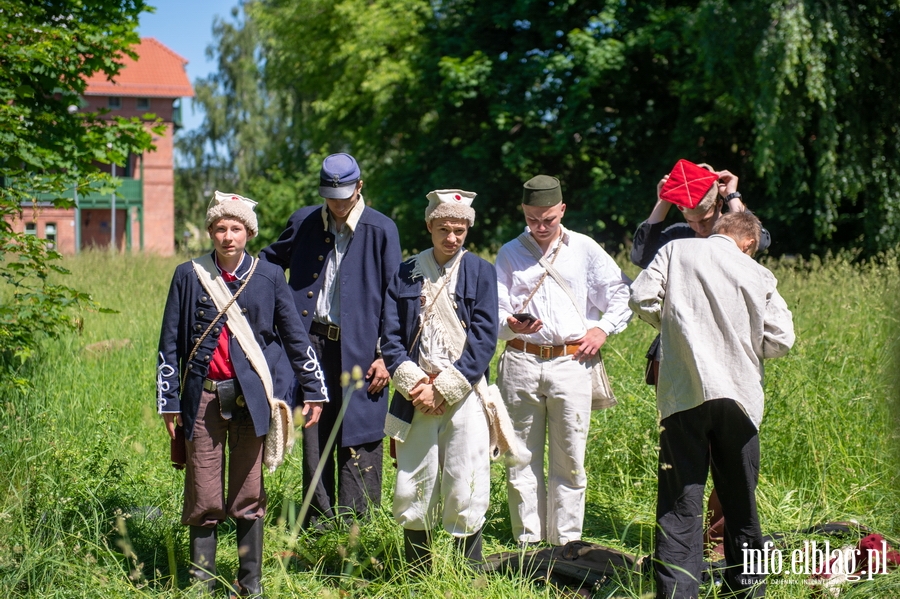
(338, 177)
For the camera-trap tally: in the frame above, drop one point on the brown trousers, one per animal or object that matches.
(205, 501)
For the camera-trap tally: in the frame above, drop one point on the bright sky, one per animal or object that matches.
(185, 26)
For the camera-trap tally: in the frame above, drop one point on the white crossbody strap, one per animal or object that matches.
(215, 286)
(529, 243)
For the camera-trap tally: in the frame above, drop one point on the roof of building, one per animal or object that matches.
(158, 73)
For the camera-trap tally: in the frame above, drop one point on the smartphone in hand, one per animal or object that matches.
(524, 317)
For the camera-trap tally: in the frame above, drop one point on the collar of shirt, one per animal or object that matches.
(563, 237)
(352, 218)
(240, 272)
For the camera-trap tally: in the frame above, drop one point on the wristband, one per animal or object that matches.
(733, 195)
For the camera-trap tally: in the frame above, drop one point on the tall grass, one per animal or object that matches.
(89, 506)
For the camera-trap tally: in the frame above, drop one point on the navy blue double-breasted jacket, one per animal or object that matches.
(372, 258)
(267, 304)
(476, 307)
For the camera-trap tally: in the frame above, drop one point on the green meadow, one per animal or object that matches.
(90, 507)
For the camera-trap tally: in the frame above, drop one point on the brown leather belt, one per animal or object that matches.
(544, 352)
(329, 331)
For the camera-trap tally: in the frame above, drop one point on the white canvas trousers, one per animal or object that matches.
(549, 402)
(445, 459)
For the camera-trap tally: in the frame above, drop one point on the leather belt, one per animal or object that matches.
(329, 331)
(544, 352)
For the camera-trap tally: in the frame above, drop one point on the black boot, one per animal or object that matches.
(416, 548)
(203, 557)
(470, 547)
(249, 542)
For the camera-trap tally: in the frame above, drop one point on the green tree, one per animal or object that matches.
(792, 96)
(47, 146)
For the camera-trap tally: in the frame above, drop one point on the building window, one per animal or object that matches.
(50, 235)
(114, 102)
(143, 103)
(31, 228)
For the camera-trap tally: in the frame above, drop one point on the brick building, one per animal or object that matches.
(144, 215)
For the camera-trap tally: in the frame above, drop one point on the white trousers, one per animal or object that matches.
(445, 458)
(549, 401)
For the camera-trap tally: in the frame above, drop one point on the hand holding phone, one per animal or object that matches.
(524, 317)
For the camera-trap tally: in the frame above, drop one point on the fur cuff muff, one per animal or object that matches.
(452, 385)
(502, 433)
(280, 438)
(406, 376)
(396, 428)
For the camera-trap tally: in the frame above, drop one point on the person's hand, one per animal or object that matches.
(377, 376)
(427, 399)
(312, 410)
(524, 327)
(171, 420)
(590, 344)
(728, 183)
(659, 187)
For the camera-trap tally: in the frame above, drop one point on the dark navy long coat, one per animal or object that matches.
(267, 304)
(372, 258)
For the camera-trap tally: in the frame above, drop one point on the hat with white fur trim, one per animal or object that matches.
(231, 205)
(450, 203)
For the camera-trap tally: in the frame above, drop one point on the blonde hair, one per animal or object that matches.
(739, 226)
(706, 204)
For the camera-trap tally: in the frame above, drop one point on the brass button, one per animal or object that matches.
(204, 299)
(198, 327)
(200, 313)
(305, 313)
(321, 258)
(216, 331)
(309, 294)
(315, 275)
(243, 310)
(328, 240)
(206, 358)
(239, 400)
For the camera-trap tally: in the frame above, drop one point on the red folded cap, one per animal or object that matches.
(687, 184)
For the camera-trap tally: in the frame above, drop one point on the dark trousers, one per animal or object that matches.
(718, 434)
(351, 479)
(205, 500)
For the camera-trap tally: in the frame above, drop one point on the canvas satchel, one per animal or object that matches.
(280, 438)
(602, 396)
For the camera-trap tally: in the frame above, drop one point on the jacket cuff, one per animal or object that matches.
(406, 376)
(396, 428)
(452, 385)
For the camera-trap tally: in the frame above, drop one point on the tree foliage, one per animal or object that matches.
(792, 96)
(47, 146)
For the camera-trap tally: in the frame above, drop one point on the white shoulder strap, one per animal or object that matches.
(215, 286)
(529, 243)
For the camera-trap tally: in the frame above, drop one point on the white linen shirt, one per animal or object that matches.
(328, 303)
(599, 286)
(719, 315)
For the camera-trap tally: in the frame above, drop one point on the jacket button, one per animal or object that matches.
(204, 299)
(200, 313)
(315, 275)
(243, 310)
(328, 240)
(305, 313)
(321, 258)
(206, 358)
(198, 327)
(309, 294)
(463, 323)
(190, 366)
(216, 331)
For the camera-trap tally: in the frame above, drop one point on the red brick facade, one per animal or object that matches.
(145, 206)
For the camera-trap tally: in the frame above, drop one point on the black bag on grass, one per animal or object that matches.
(575, 565)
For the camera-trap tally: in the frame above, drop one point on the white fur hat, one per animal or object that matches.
(450, 203)
(232, 205)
